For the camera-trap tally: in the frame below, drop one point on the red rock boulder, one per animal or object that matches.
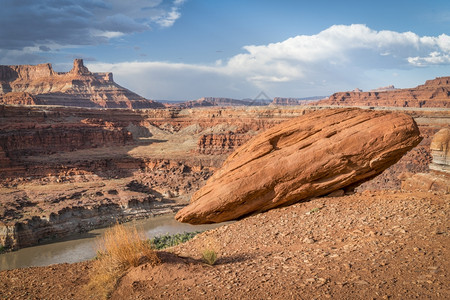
(306, 157)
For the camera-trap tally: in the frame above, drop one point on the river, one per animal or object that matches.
(82, 247)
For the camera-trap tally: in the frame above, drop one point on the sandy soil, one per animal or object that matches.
(373, 245)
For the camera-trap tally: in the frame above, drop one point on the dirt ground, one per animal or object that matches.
(370, 245)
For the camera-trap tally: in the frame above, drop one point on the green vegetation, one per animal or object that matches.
(209, 256)
(2, 248)
(170, 240)
(314, 210)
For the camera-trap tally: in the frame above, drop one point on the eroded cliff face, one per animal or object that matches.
(40, 84)
(440, 150)
(294, 101)
(220, 143)
(434, 93)
(438, 179)
(217, 101)
(54, 211)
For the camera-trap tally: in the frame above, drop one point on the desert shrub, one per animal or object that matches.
(120, 248)
(170, 240)
(209, 256)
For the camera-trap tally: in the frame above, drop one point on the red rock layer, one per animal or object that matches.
(434, 93)
(19, 98)
(213, 101)
(221, 143)
(79, 87)
(294, 101)
(440, 149)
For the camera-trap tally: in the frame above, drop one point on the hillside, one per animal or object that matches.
(371, 245)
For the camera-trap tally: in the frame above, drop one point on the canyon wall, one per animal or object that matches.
(41, 85)
(217, 101)
(434, 93)
(294, 101)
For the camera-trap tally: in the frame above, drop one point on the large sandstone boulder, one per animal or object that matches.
(309, 156)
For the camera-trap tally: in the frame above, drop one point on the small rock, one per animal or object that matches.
(308, 240)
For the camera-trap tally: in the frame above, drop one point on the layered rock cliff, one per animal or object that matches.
(220, 143)
(440, 150)
(434, 93)
(217, 101)
(295, 101)
(36, 215)
(41, 85)
(438, 178)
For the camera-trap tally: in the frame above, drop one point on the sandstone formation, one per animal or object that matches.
(434, 93)
(426, 182)
(440, 150)
(438, 179)
(19, 98)
(306, 157)
(41, 85)
(220, 143)
(217, 101)
(295, 101)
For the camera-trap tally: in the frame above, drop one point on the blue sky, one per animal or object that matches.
(187, 49)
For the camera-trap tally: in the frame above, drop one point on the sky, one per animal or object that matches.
(188, 49)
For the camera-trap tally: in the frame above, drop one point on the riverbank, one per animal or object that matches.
(34, 214)
(382, 245)
(82, 247)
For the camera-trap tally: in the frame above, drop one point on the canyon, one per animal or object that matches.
(67, 169)
(77, 151)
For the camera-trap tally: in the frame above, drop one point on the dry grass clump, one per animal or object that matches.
(209, 256)
(120, 248)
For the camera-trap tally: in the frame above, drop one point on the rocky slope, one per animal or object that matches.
(41, 85)
(434, 93)
(373, 245)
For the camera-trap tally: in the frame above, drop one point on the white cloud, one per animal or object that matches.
(168, 18)
(333, 59)
(107, 34)
(434, 58)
